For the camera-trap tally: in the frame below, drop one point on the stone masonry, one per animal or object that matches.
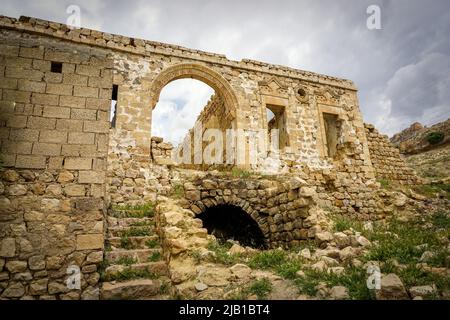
(64, 165)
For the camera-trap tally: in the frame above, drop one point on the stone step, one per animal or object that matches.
(129, 222)
(131, 231)
(129, 213)
(154, 269)
(138, 255)
(139, 289)
(134, 242)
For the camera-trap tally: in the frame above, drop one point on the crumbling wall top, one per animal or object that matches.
(145, 47)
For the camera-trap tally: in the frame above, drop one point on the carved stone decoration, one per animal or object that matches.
(302, 93)
(273, 87)
(328, 95)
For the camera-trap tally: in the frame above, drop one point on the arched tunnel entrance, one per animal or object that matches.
(228, 222)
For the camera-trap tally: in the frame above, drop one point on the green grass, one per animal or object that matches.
(145, 223)
(130, 274)
(151, 244)
(156, 256)
(430, 190)
(268, 259)
(138, 211)
(288, 269)
(126, 261)
(164, 289)
(221, 255)
(239, 173)
(125, 243)
(354, 279)
(404, 246)
(260, 288)
(385, 183)
(196, 255)
(403, 242)
(342, 223)
(137, 232)
(178, 190)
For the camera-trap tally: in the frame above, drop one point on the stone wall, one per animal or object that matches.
(64, 165)
(386, 159)
(54, 139)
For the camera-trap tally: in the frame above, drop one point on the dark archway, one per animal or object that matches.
(227, 222)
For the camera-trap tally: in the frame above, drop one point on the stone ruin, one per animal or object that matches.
(66, 163)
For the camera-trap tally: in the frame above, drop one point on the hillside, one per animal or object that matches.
(426, 149)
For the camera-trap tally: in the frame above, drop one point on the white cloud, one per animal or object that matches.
(179, 105)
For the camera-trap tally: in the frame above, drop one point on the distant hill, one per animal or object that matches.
(417, 138)
(426, 149)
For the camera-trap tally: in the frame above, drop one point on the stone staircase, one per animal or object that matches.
(134, 266)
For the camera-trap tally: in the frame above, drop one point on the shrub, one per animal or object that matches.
(178, 190)
(435, 137)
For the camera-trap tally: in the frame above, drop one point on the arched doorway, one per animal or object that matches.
(197, 145)
(229, 222)
(180, 103)
(198, 72)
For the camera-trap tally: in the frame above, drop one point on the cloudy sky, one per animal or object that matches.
(402, 70)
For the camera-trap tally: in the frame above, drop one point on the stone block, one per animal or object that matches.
(16, 121)
(56, 112)
(75, 190)
(8, 248)
(33, 86)
(41, 123)
(78, 163)
(88, 70)
(45, 99)
(59, 89)
(73, 102)
(96, 126)
(90, 241)
(46, 149)
(53, 136)
(75, 79)
(69, 125)
(34, 52)
(94, 177)
(84, 114)
(30, 162)
(81, 138)
(86, 92)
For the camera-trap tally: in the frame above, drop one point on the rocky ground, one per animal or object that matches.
(410, 249)
(432, 165)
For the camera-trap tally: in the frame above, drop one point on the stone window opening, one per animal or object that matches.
(228, 222)
(56, 67)
(332, 126)
(276, 119)
(114, 98)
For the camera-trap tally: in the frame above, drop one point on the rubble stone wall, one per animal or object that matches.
(279, 207)
(386, 159)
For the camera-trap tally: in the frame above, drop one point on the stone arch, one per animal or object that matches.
(198, 72)
(260, 219)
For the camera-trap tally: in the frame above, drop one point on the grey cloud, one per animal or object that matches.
(401, 71)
